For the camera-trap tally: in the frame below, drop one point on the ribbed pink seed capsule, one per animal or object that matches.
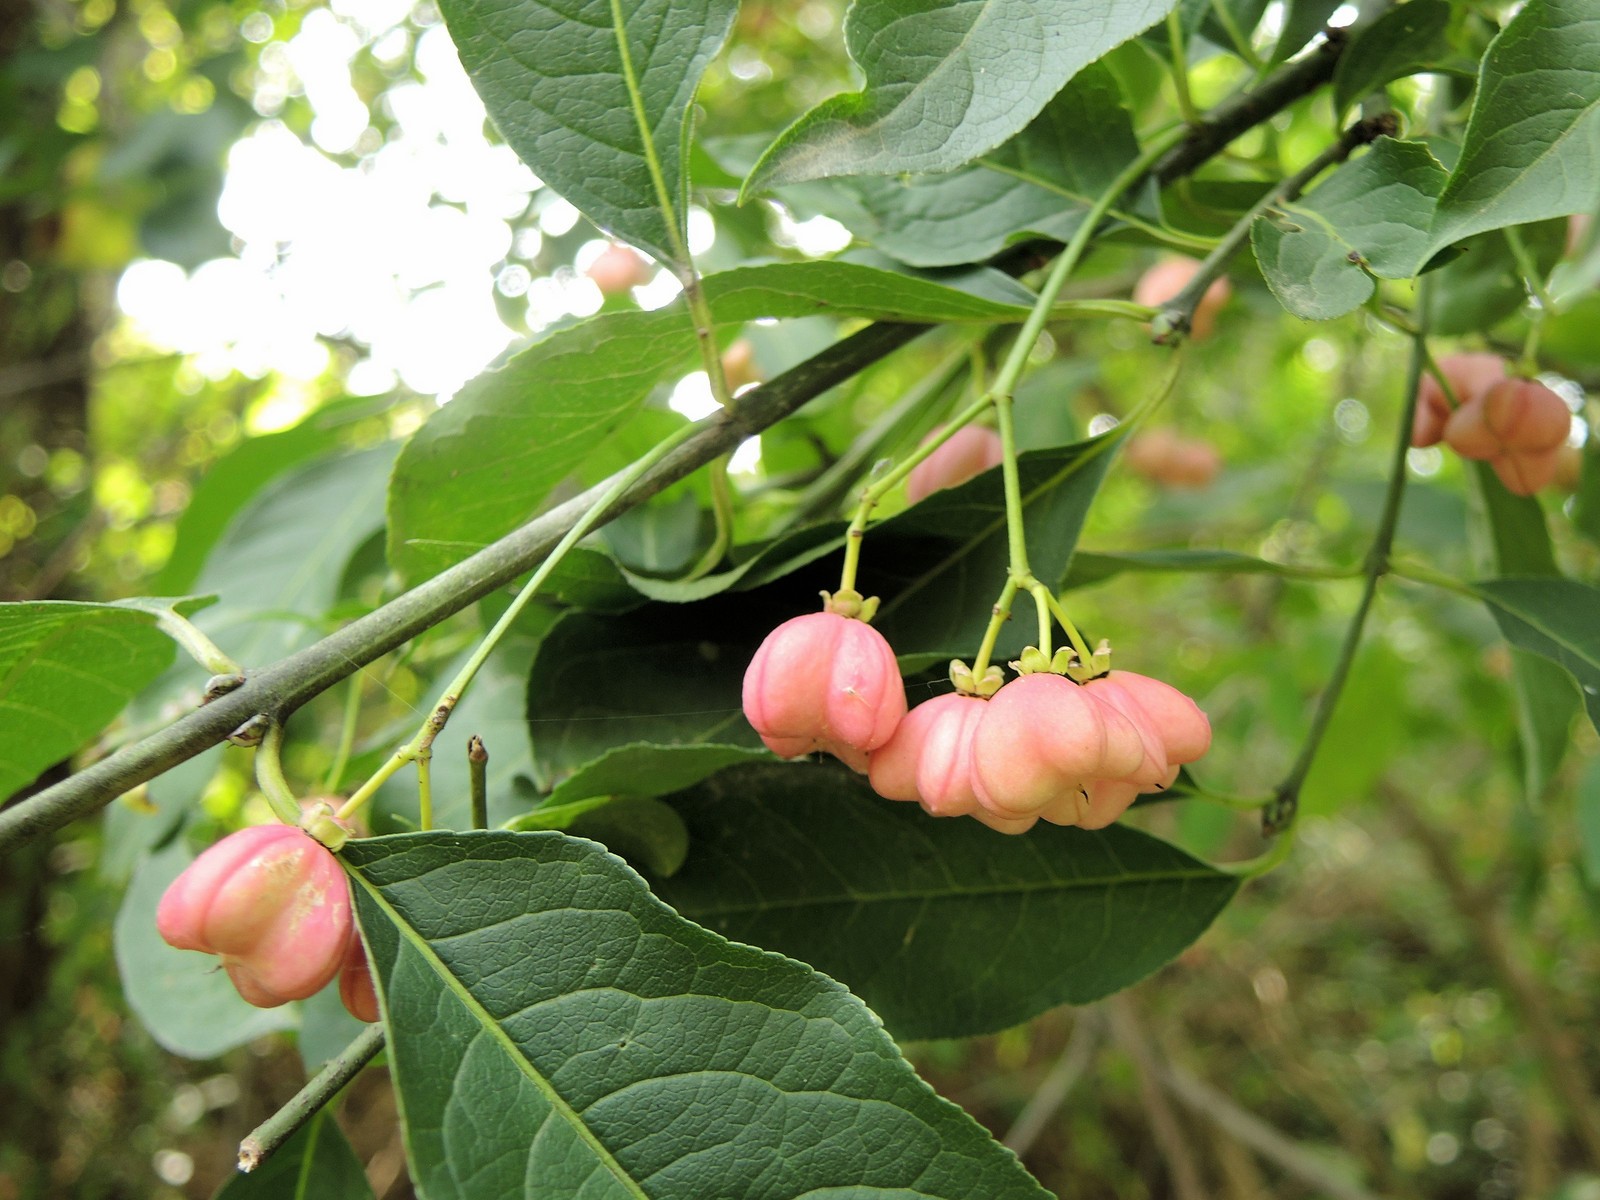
(929, 758)
(1184, 729)
(970, 451)
(1043, 737)
(824, 682)
(1470, 376)
(273, 903)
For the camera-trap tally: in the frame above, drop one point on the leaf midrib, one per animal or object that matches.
(556, 1100)
(934, 896)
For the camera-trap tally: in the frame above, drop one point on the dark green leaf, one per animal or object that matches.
(595, 97)
(550, 1020)
(1586, 504)
(644, 769)
(1544, 701)
(315, 1164)
(1532, 147)
(650, 835)
(1369, 218)
(67, 669)
(181, 996)
(1401, 42)
(982, 70)
(1483, 285)
(1041, 183)
(486, 462)
(952, 929)
(1557, 619)
(1089, 568)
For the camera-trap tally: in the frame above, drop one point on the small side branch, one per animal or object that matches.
(321, 1088)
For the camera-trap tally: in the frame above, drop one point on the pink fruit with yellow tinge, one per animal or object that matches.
(929, 758)
(1042, 739)
(1162, 456)
(970, 451)
(1169, 277)
(1185, 729)
(273, 903)
(824, 682)
(359, 996)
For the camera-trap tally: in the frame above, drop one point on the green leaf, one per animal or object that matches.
(1090, 568)
(1039, 184)
(237, 477)
(485, 463)
(550, 1020)
(1403, 41)
(1557, 619)
(644, 769)
(945, 928)
(1586, 502)
(595, 95)
(648, 834)
(182, 997)
(946, 81)
(67, 669)
(315, 1164)
(1532, 146)
(1544, 701)
(1369, 218)
(277, 569)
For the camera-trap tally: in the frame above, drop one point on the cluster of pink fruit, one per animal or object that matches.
(1039, 747)
(1518, 426)
(274, 904)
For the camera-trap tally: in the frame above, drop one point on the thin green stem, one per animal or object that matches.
(1041, 604)
(310, 1100)
(1241, 44)
(1016, 535)
(829, 488)
(270, 778)
(1180, 68)
(436, 720)
(347, 735)
(425, 788)
(1534, 280)
(999, 615)
(722, 513)
(477, 781)
(1254, 868)
(1280, 814)
(1178, 313)
(881, 487)
(1079, 642)
(194, 643)
(1416, 572)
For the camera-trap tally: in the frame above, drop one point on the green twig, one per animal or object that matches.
(1180, 68)
(477, 781)
(195, 643)
(1177, 313)
(1280, 814)
(309, 1100)
(1544, 305)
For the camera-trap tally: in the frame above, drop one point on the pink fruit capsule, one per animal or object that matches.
(824, 682)
(970, 451)
(1044, 737)
(929, 758)
(273, 903)
(356, 991)
(617, 270)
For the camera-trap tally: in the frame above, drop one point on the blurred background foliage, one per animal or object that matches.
(236, 235)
